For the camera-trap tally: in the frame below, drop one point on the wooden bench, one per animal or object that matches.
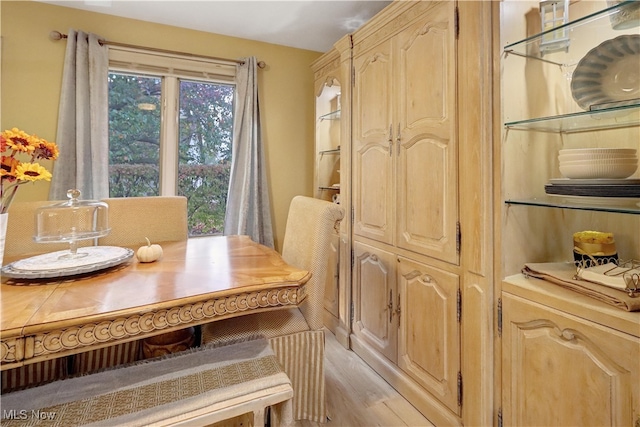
(196, 387)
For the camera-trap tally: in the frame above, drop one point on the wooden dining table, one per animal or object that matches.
(196, 281)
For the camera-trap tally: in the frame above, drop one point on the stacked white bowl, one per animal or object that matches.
(598, 163)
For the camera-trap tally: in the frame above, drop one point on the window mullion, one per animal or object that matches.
(169, 137)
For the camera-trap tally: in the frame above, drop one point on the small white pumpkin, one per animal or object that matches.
(149, 253)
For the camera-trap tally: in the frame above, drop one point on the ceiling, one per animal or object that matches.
(304, 24)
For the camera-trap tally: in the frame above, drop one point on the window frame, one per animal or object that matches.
(171, 68)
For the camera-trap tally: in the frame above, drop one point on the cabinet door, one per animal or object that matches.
(562, 370)
(374, 293)
(331, 289)
(426, 139)
(429, 341)
(373, 198)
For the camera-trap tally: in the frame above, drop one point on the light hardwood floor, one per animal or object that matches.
(358, 397)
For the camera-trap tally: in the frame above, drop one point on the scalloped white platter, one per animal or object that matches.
(609, 73)
(51, 264)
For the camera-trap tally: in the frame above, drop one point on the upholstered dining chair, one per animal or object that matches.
(296, 335)
(132, 219)
(19, 242)
(21, 229)
(159, 218)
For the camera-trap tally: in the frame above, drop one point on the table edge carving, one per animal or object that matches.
(122, 328)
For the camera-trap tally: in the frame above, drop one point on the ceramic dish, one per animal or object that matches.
(598, 170)
(595, 156)
(594, 190)
(627, 16)
(597, 151)
(53, 265)
(609, 73)
(614, 161)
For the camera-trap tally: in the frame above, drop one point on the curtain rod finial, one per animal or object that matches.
(261, 64)
(57, 35)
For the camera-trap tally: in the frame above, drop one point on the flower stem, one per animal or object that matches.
(7, 196)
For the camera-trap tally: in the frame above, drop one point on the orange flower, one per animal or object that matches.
(8, 167)
(46, 150)
(15, 145)
(20, 141)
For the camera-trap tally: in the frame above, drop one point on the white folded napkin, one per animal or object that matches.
(608, 274)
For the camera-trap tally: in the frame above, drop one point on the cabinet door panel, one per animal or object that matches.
(372, 199)
(429, 342)
(427, 214)
(374, 290)
(427, 172)
(425, 61)
(372, 161)
(562, 370)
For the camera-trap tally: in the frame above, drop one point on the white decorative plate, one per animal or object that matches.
(53, 265)
(609, 73)
(601, 181)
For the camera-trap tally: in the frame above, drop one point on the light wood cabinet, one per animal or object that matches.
(332, 169)
(416, 174)
(429, 329)
(562, 369)
(374, 294)
(404, 138)
(409, 312)
(414, 109)
(540, 117)
(328, 140)
(372, 142)
(426, 141)
(567, 359)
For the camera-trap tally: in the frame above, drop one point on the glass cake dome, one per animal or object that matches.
(71, 222)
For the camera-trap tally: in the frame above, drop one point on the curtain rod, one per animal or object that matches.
(57, 35)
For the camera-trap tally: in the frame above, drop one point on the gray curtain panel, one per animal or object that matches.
(83, 118)
(248, 206)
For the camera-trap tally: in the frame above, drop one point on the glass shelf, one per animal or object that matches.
(530, 46)
(627, 207)
(584, 121)
(329, 188)
(334, 115)
(332, 151)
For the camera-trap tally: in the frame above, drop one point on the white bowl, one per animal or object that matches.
(600, 162)
(595, 156)
(619, 151)
(598, 171)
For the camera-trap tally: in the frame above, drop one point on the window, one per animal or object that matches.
(170, 132)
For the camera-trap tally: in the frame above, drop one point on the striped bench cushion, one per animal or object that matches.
(150, 391)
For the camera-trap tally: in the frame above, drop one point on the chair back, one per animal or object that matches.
(310, 225)
(159, 218)
(21, 228)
